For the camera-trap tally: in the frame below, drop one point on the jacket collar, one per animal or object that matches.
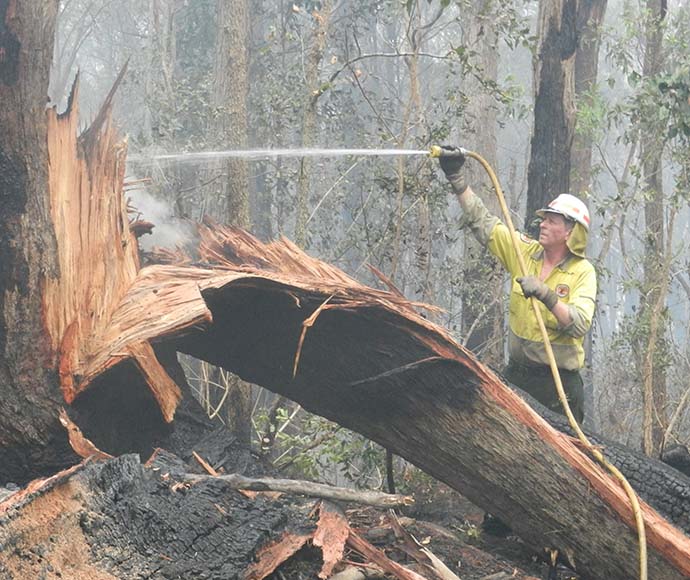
(539, 256)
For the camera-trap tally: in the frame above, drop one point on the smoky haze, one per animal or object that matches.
(169, 232)
(405, 76)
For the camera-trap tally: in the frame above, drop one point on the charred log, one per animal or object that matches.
(120, 519)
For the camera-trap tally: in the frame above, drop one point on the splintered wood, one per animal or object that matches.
(82, 446)
(332, 535)
(274, 554)
(98, 256)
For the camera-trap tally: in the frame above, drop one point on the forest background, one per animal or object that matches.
(207, 75)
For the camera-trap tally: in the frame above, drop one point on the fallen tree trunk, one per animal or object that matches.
(369, 361)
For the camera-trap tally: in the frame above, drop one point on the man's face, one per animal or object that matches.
(554, 231)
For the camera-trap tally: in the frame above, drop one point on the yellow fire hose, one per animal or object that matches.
(437, 151)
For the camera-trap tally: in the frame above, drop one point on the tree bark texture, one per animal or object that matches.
(554, 107)
(590, 18)
(656, 262)
(231, 91)
(29, 394)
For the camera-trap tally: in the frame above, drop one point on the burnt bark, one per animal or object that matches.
(29, 395)
(554, 107)
(121, 519)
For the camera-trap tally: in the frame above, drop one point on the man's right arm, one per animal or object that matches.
(486, 227)
(481, 221)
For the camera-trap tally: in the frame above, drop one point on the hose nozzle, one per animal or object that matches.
(438, 151)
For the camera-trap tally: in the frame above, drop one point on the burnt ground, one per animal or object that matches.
(475, 553)
(448, 525)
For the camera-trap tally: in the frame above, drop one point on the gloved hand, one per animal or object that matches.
(452, 166)
(533, 286)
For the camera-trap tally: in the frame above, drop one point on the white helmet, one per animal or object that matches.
(568, 206)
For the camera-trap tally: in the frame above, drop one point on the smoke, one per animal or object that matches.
(169, 232)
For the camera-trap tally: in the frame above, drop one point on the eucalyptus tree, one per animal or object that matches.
(650, 115)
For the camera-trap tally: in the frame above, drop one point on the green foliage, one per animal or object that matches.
(630, 341)
(592, 111)
(340, 453)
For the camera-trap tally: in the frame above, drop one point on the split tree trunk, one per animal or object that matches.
(68, 256)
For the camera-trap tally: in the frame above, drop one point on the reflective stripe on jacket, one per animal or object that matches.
(573, 280)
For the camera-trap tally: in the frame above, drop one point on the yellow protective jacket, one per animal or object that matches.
(574, 281)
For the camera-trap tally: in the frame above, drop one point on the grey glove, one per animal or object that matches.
(533, 286)
(452, 166)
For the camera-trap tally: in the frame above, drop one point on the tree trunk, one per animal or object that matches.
(655, 284)
(231, 91)
(590, 17)
(31, 440)
(554, 107)
(312, 81)
(159, 83)
(482, 312)
(367, 360)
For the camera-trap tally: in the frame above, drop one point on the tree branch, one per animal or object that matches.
(299, 487)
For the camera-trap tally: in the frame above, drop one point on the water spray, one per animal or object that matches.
(257, 154)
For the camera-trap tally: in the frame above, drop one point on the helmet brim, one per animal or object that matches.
(544, 210)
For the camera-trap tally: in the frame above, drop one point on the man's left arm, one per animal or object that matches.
(575, 317)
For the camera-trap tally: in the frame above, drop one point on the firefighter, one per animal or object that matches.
(559, 276)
